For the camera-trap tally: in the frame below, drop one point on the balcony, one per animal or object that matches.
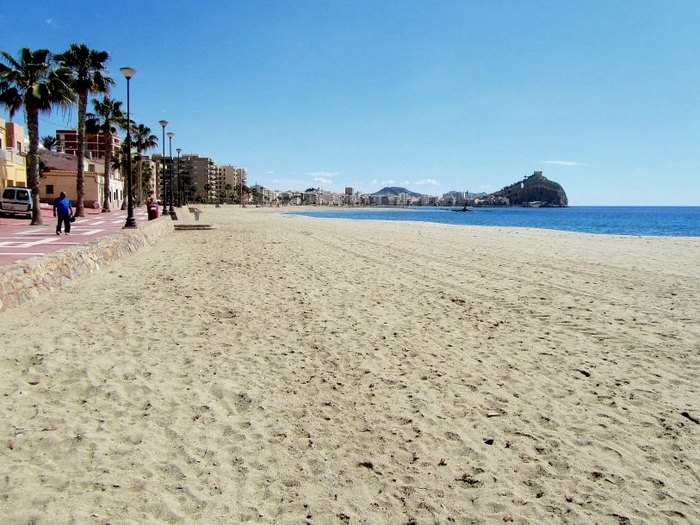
(13, 156)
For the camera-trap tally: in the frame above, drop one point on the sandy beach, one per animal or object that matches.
(285, 369)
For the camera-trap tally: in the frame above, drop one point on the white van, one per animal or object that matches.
(16, 201)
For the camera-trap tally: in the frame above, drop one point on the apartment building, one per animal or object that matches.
(67, 142)
(203, 172)
(161, 171)
(13, 165)
(454, 198)
(233, 176)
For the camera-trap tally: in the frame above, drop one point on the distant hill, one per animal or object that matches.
(394, 190)
(535, 188)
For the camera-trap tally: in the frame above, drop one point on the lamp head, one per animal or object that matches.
(178, 150)
(128, 72)
(170, 134)
(163, 123)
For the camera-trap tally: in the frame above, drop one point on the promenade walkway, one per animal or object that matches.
(19, 240)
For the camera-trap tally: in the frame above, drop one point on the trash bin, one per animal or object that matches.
(153, 213)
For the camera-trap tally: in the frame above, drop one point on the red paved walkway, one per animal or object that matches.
(19, 240)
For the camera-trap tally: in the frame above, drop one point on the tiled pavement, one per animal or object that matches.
(19, 240)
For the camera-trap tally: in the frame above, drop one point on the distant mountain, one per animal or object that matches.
(394, 190)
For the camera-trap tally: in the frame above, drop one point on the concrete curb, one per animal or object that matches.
(25, 280)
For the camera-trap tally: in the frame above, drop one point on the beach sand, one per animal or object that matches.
(285, 369)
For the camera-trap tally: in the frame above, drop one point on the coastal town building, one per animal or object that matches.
(350, 198)
(227, 174)
(162, 169)
(454, 198)
(289, 197)
(13, 165)
(391, 199)
(234, 178)
(202, 171)
(67, 142)
(59, 173)
(262, 196)
(204, 174)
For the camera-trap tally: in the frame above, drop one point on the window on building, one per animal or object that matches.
(49, 189)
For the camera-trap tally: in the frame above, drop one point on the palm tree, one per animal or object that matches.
(242, 192)
(189, 189)
(207, 188)
(146, 175)
(120, 158)
(88, 71)
(48, 142)
(34, 82)
(245, 195)
(107, 116)
(143, 140)
(256, 195)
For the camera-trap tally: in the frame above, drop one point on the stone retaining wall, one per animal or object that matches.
(24, 280)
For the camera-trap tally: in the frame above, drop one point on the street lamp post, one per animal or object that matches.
(179, 182)
(128, 72)
(170, 174)
(163, 123)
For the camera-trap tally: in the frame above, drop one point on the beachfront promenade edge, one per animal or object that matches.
(24, 280)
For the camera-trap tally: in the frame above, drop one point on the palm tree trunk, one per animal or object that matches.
(80, 178)
(125, 184)
(108, 168)
(140, 186)
(33, 175)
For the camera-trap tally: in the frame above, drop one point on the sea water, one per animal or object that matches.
(673, 221)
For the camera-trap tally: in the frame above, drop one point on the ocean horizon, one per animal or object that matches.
(656, 221)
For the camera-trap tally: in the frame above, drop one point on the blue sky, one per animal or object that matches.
(602, 96)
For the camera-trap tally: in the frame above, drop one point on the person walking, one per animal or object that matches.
(65, 212)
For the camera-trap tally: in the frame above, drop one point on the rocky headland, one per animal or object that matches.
(535, 190)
